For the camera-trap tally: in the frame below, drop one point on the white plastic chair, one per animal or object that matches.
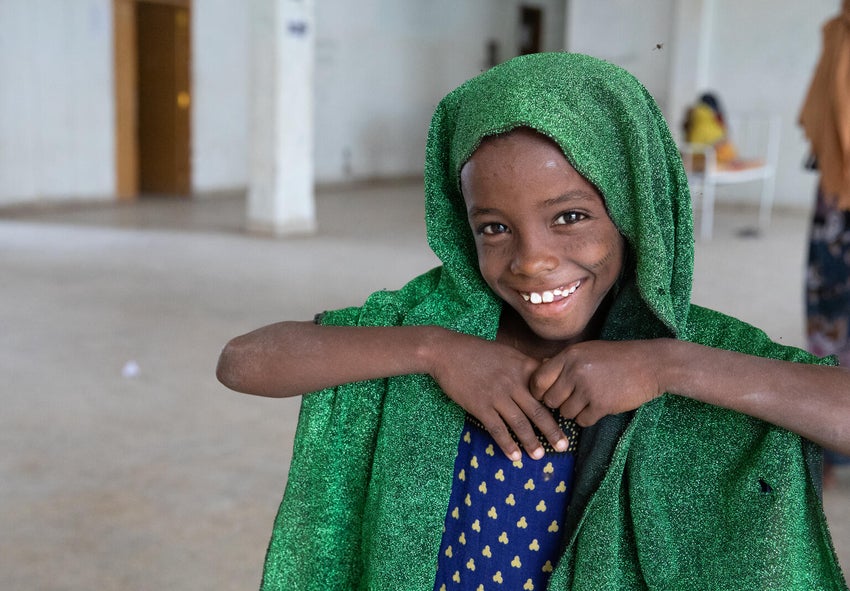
(756, 137)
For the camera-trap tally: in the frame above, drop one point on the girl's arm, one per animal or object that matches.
(294, 358)
(595, 378)
(488, 379)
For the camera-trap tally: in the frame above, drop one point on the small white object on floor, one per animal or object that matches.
(130, 370)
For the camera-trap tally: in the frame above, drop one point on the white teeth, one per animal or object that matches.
(547, 297)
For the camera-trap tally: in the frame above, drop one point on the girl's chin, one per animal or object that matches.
(555, 335)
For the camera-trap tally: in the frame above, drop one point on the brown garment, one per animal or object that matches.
(825, 116)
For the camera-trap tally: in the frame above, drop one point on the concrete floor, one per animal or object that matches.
(163, 479)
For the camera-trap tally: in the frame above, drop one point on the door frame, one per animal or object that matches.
(125, 93)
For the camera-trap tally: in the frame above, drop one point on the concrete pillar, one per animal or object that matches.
(280, 195)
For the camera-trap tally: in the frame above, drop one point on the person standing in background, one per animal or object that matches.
(825, 118)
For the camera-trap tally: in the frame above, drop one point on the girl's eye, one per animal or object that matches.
(495, 228)
(569, 217)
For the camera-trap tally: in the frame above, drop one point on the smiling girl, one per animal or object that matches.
(647, 442)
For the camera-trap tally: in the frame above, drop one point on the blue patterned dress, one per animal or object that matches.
(503, 529)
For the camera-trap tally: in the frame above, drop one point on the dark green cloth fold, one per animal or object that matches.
(676, 495)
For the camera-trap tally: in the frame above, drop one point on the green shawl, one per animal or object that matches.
(675, 495)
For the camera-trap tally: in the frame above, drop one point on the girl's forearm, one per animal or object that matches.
(293, 358)
(810, 400)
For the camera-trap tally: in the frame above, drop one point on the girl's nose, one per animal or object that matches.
(533, 257)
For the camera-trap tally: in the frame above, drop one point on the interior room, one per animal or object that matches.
(177, 172)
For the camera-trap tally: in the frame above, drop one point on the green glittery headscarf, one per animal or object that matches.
(675, 495)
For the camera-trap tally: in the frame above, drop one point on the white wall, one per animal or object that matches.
(762, 58)
(56, 108)
(627, 33)
(57, 120)
(382, 66)
(220, 87)
(758, 55)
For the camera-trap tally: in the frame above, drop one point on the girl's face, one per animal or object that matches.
(545, 243)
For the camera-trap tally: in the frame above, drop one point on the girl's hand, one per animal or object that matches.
(596, 378)
(490, 381)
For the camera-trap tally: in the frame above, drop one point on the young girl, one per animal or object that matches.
(559, 325)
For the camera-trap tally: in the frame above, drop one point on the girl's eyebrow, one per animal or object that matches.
(476, 211)
(577, 196)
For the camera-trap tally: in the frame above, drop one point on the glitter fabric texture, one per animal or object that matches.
(676, 495)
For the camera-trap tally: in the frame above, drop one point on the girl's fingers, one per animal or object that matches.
(500, 433)
(572, 408)
(543, 378)
(542, 418)
(517, 421)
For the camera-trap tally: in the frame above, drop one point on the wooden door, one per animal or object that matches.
(163, 98)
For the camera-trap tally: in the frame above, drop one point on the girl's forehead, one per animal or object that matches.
(524, 171)
(501, 152)
(521, 150)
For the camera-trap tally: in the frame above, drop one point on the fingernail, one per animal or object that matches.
(537, 453)
(515, 456)
(562, 445)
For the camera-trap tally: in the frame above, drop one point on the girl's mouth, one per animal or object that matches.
(549, 296)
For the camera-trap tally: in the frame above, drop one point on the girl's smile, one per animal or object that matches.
(548, 297)
(545, 243)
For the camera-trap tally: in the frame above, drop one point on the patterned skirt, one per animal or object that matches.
(828, 288)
